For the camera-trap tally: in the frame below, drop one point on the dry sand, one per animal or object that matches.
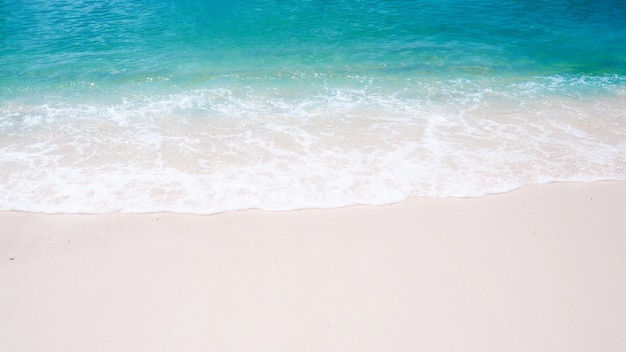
(539, 269)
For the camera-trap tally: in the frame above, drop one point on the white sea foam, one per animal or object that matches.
(212, 150)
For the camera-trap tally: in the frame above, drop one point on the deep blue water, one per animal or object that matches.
(206, 106)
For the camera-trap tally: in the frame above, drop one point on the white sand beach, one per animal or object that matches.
(538, 269)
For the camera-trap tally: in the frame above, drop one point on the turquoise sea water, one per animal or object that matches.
(210, 106)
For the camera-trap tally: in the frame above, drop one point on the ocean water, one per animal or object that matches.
(208, 106)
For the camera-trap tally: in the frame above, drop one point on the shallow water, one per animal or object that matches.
(203, 107)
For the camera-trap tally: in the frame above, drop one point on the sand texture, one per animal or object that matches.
(539, 269)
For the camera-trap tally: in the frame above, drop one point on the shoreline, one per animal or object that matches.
(541, 268)
(411, 199)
